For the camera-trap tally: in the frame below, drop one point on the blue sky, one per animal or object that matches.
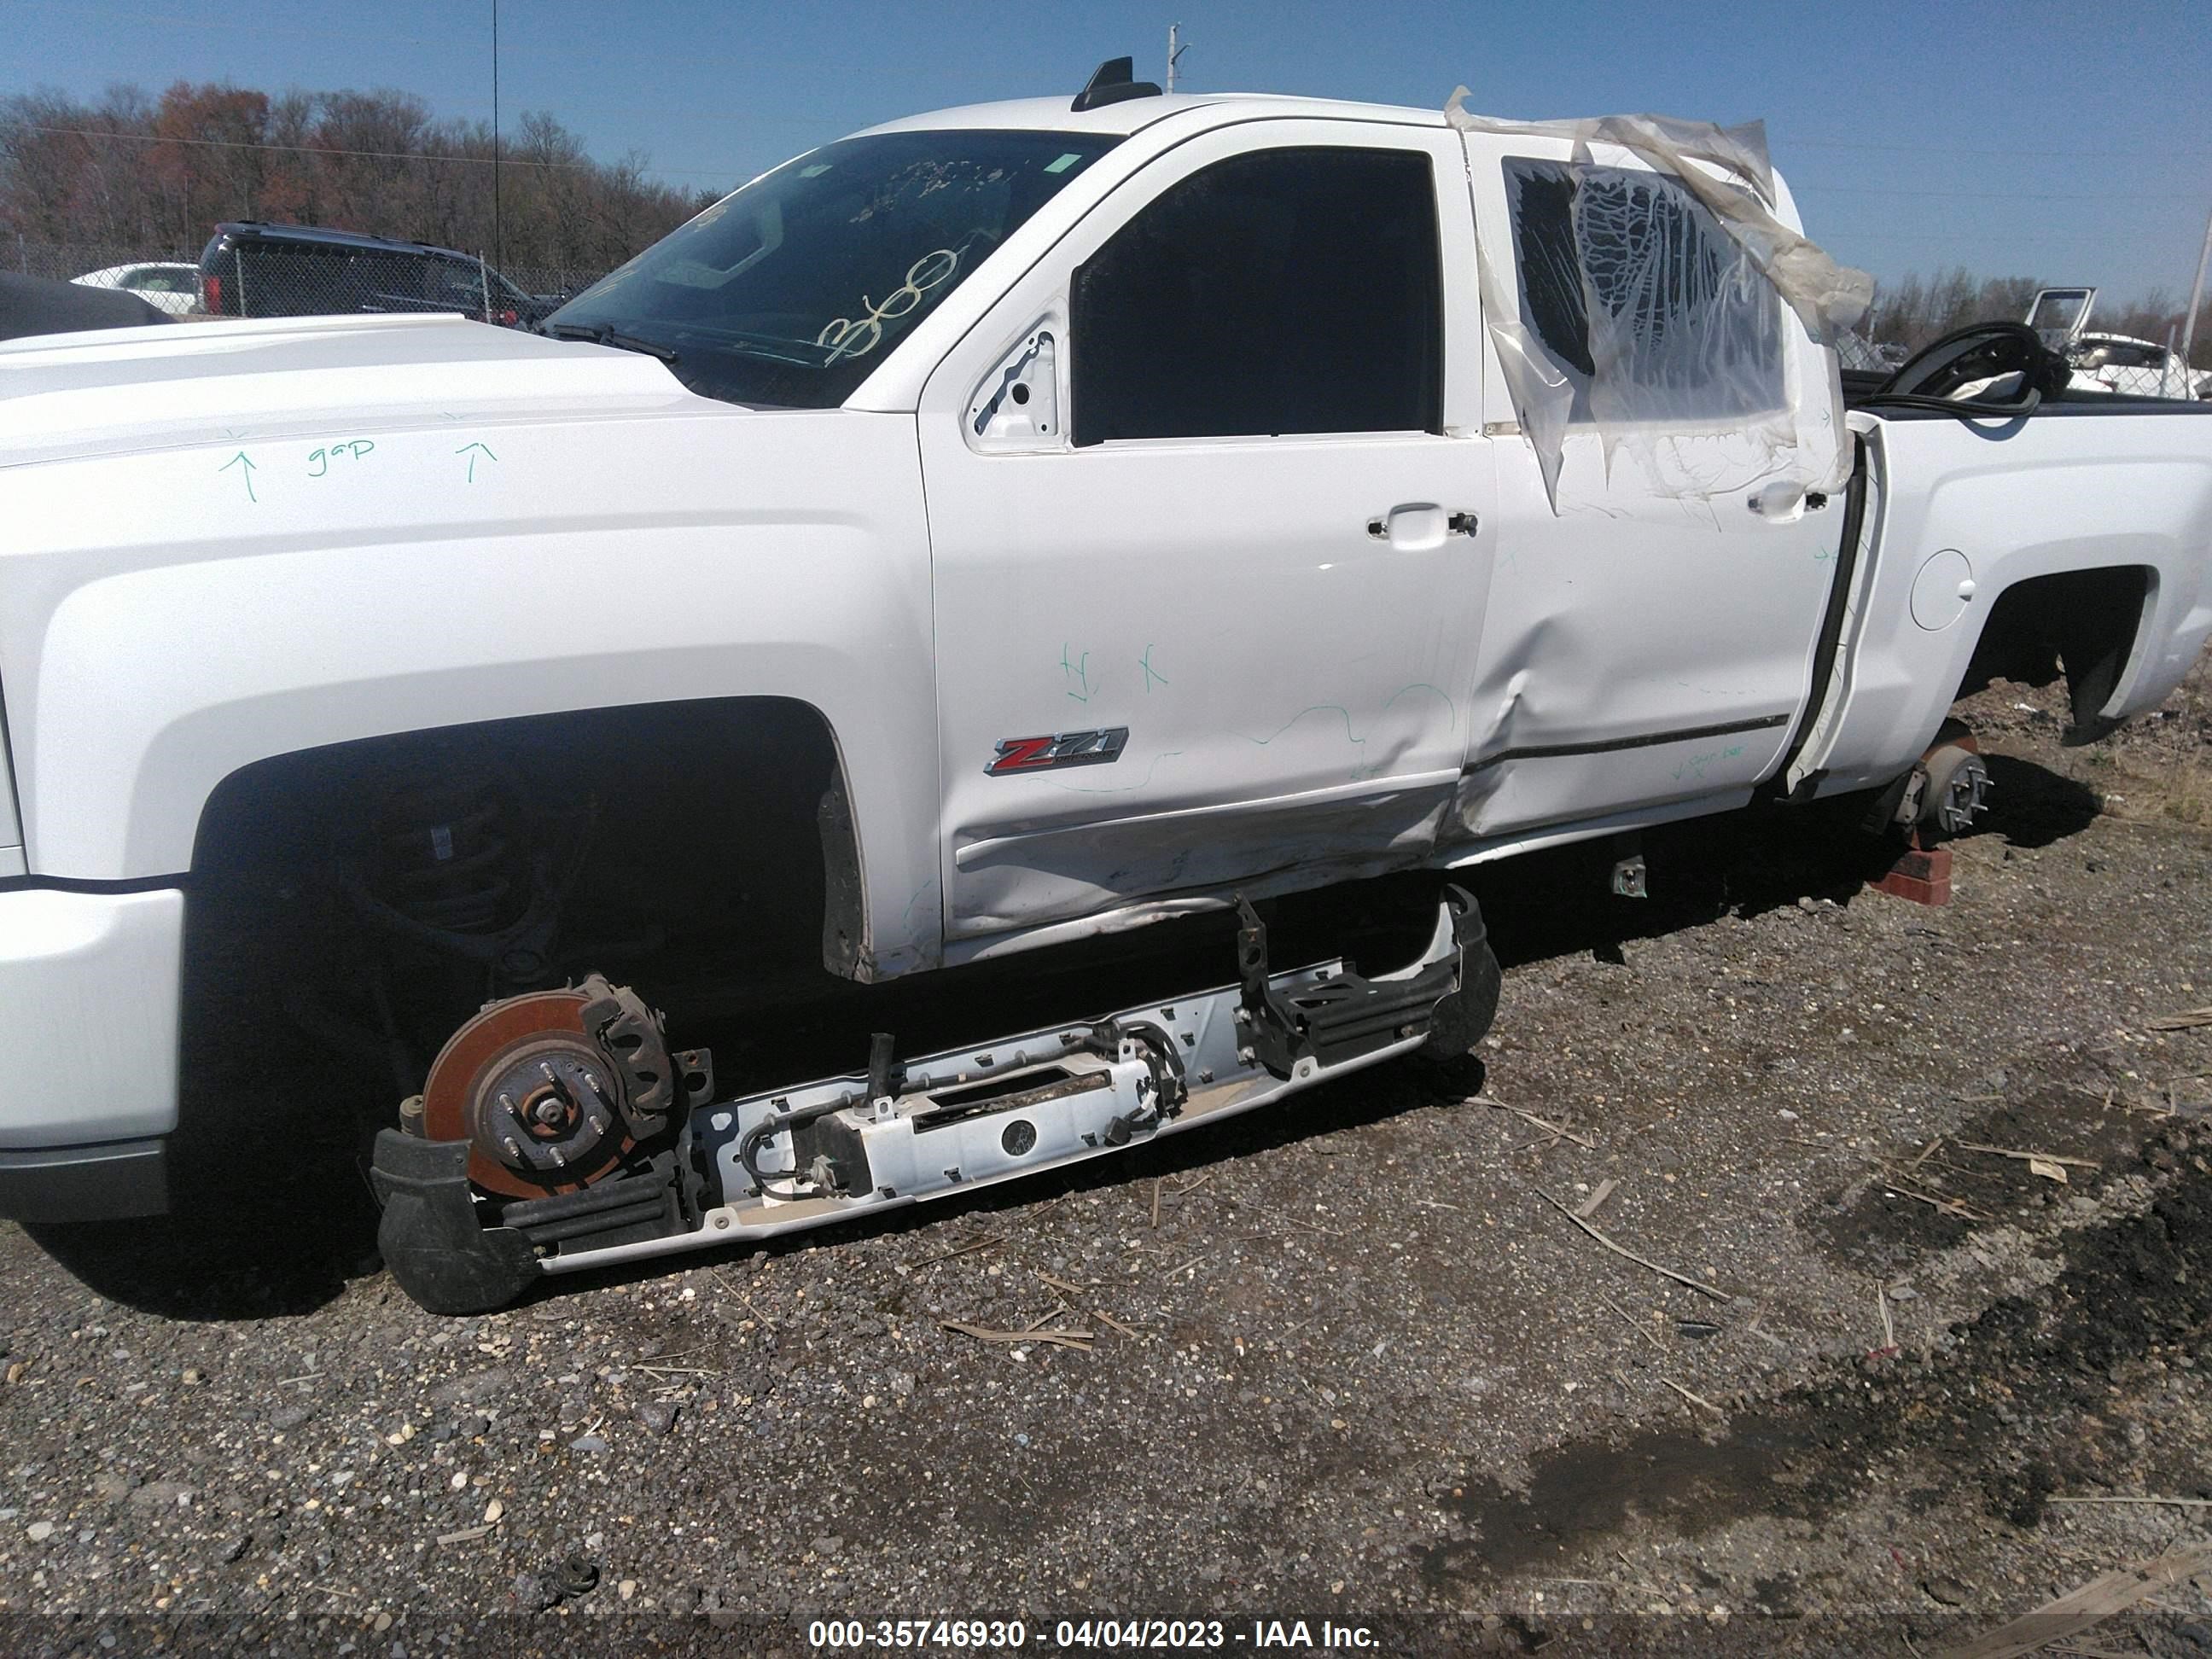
(2069, 139)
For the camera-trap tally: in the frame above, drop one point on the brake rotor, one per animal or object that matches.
(538, 1101)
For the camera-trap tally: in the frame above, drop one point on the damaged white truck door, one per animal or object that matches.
(1648, 642)
(1219, 620)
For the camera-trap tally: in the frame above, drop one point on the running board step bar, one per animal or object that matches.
(787, 1159)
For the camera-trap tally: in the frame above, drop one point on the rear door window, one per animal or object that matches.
(1629, 269)
(1293, 290)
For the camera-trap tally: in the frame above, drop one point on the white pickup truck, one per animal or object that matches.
(1000, 529)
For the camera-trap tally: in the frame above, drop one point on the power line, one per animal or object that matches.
(2014, 151)
(1799, 186)
(537, 48)
(328, 150)
(1834, 240)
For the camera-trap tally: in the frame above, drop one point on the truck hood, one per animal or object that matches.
(123, 391)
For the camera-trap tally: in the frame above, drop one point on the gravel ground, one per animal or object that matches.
(1346, 1361)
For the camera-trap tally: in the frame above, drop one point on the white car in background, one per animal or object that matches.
(2122, 362)
(167, 285)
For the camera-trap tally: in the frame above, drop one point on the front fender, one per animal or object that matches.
(161, 625)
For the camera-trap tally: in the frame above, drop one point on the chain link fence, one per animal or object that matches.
(2109, 363)
(2135, 368)
(346, 275)
(1856, 351)
(273, 276)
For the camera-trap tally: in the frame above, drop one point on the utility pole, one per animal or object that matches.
(498, 248)
(1176, 47)
(2196, 299)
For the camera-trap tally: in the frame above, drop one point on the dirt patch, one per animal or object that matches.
(2156, 769)
(1914, 1201)
(2133, 1288)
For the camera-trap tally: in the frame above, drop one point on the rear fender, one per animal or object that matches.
(1969, 511)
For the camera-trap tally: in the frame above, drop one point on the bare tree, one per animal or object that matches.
(142, 175)
(1913, 312)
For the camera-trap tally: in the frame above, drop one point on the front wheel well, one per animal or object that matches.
(368, 896)
(2080, 623)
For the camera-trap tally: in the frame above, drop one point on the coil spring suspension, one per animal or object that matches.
(457, 863)
(446, 862)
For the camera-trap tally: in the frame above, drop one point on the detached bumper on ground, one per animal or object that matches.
(543, 1088)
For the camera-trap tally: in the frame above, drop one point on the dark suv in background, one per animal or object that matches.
(252, 269)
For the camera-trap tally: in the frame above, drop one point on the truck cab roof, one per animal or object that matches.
(1131, 115)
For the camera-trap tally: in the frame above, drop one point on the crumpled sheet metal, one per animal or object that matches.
(1643, 393)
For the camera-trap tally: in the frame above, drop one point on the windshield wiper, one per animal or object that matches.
(610, 336)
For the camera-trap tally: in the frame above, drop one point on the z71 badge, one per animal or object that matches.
(1067, 749)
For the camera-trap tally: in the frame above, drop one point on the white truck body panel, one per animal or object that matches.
(554, 554)
(1640, 649)
(231, 542)
(102, 971)
(1087, 588)
(1966, 510)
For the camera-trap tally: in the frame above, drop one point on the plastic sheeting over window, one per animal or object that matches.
(1647, 305)
(1625, 268)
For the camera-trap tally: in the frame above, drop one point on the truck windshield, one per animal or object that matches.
(790, 291)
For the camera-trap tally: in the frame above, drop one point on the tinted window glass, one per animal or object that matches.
(384, 282)
(1551, 270)
(1689, 327)
(303, 278)
(1288, 290)
(795, 289)
(459, 285)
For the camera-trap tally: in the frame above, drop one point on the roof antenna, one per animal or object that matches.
(1177, 46)
(1112, 83)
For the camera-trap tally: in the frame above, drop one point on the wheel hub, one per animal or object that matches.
(543, 1102)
